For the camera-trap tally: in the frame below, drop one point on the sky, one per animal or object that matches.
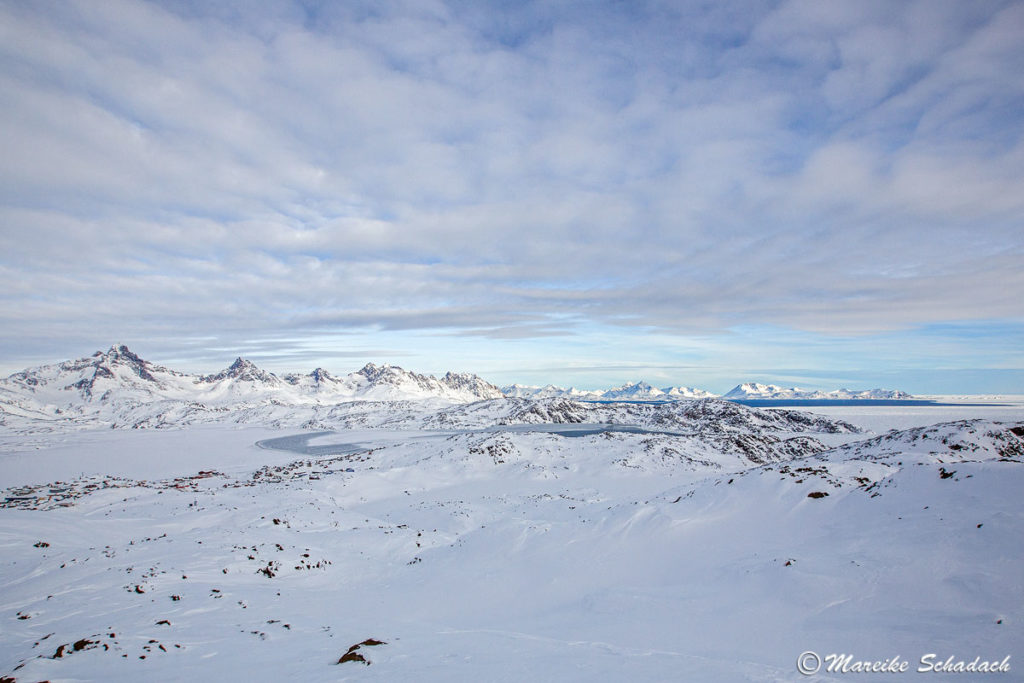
(820, 193)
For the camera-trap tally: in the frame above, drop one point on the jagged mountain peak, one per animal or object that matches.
(244, 370)
(320, 375)
(104, 371)
(632, 390)
(241, 364)
(118, 352)
(761, 388)
(471, 383)
(317, 380)
(118, 364)
(463, 384)
(375, 373)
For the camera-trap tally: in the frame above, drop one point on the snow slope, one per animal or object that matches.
(488, 538)
(507, 555)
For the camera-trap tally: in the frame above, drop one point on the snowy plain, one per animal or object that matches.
(482, 551)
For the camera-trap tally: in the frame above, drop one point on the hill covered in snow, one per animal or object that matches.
(715, 542)
(386, 525)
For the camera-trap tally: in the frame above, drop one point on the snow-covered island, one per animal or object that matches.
(753, 390)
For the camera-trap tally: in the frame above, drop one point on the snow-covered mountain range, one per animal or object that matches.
(118, 388)
(753, 390)
(641, 391)
(637, 391)
(119, 370)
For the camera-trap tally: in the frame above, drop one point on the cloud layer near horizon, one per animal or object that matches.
(507, 171)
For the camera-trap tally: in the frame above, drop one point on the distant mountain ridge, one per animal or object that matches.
(120, 373)
(641, 391)
(118, 388)
(753, 390)
(636, 391)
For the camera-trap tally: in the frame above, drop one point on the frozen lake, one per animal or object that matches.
(301, 443)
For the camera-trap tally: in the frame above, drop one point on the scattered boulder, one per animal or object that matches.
(352, 656)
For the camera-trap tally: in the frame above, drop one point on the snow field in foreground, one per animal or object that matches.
(508, 557)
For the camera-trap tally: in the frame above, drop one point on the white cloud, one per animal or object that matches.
(508, 172)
